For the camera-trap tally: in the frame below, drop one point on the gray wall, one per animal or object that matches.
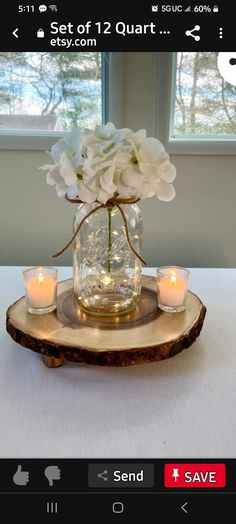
(196, 229)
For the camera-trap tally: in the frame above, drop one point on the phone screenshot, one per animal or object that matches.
(117, 262)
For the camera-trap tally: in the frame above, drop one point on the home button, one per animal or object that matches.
(118, 507)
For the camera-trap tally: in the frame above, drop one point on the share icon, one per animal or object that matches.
(190, 32)
(103, 475)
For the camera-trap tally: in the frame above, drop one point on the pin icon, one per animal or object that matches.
(52, 473)
(21, 478)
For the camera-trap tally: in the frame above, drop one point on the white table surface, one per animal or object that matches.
(182, 407)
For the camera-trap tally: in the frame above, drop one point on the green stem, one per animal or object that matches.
(109, 210)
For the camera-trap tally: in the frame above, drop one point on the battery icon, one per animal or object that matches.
(215, 9)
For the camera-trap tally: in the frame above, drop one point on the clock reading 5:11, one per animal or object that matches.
(26, 8)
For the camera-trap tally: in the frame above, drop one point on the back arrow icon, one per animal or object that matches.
(15, 32)
(183, 507)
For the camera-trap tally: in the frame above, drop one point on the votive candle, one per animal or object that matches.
(172, 286)
(41, 289)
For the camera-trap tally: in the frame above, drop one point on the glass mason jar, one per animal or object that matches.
(107, 274)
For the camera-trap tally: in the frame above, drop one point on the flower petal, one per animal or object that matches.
(73, 139)
(67, 171)
(46, 167)
(122, 158)
(105, 131)
(167, 172)
(152, 169)
(106, 181)
(104, 196)
(132, 178)
(85, 194)
(72, 191)
(164, 191)
(139, 137)
(54, 177)
(150, 150)
(125, 191)
(145, 191)
(61, 190)
(57, 150)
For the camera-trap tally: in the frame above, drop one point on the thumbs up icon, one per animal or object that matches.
(21, 478)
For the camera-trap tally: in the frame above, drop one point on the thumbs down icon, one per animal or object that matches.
(52, 473)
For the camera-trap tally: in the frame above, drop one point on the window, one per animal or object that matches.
(204, 103)
(199, 113)
(43, 94)
(50, 91)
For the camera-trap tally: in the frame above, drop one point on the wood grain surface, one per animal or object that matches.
(146, 334)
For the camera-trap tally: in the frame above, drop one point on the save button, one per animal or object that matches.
(195, 476)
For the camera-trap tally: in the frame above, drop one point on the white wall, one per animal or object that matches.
(196, 229)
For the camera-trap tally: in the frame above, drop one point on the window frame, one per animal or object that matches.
(165, 101)
(43, 140)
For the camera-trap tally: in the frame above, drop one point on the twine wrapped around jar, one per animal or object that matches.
(112, 202)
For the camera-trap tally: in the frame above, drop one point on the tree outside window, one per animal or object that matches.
(205, 104)
(47, 90)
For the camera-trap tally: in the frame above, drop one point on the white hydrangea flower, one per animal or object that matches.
(63, 176)
(108, 162)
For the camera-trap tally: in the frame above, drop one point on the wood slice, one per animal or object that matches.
(153, 334)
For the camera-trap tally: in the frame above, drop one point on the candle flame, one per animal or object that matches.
(172, 274)
(41, 278)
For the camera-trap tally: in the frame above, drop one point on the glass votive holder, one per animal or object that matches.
(40, 289)
(172, 287)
